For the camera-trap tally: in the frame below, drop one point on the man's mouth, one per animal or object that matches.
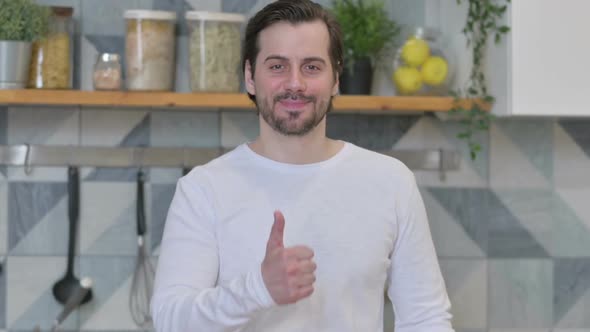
(293, 101)
(293, 104)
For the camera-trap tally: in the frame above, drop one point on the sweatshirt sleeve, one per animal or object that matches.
(186, 296)
(416, 286)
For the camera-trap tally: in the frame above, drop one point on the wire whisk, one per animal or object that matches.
(143, 276)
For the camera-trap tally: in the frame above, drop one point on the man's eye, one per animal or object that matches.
(312, 68)
(276, 67)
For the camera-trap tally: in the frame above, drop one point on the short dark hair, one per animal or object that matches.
(292, 11)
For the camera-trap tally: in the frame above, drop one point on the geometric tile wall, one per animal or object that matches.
(515, 257)
(512, 229)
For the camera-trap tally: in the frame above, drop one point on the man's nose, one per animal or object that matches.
(295, 81)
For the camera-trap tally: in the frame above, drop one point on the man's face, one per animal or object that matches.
(293, 80)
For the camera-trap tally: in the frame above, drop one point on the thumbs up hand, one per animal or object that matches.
(288, 273)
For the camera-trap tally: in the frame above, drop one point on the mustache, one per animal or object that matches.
(294, 96)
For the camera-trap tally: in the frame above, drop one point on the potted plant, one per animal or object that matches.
(21, 23)
(482, 23)
(367, 32)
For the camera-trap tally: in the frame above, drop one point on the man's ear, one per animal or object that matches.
(336, 87)
(248, 78)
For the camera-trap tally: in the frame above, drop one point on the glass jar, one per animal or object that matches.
(107, 72)
(214, 51)
(51, 64)
(422, 65)
(150, 50)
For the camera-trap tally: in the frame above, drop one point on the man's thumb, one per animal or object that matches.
(275, 240)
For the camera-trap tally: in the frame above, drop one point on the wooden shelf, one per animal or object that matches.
(196, 101)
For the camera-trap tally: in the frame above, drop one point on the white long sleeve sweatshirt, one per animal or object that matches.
(361, 213)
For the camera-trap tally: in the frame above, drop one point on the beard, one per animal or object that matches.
(293, 124)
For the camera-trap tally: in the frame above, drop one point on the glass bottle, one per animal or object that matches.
(51, 65)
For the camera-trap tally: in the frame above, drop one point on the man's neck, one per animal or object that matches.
(312, 147)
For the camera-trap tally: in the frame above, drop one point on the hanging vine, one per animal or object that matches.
(483, 22)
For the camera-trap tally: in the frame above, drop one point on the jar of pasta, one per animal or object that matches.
(150, 50)
(215, 46)
(51, 64)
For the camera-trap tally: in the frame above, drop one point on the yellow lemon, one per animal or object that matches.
(415, 51)
(435, 70)
(407, 80)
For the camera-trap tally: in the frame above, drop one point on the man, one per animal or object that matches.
(295, 231)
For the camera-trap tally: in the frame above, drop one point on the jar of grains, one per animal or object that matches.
(107, 72)
(51, 62)
(150, 50)
(215, 46)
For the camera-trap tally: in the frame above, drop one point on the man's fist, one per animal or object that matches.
(288, 273)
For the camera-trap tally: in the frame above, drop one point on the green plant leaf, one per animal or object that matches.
(482, 22)
(366, 28)
(463, 135)
(23, 20)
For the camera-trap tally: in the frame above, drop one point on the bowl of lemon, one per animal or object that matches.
(421, 65)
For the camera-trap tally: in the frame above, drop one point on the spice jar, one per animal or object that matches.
(107, 72)
(51, 62)
(150, 50)
(422, 65)
(215, 43)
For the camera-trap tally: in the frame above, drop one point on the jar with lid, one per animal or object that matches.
(51, 64)
(214, 51)
(422, 64)
(107, 72)
(150, 50)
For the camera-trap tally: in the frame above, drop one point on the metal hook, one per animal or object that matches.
(138, 158)
(185, 167)
(183, 164)
(28, 167)
(441, 165)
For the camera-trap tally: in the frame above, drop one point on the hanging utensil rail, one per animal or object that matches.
(98, 156)
(30, 156)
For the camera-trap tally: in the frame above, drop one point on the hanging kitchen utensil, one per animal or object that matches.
(73, 302)
(143, 277)
(67, 286)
